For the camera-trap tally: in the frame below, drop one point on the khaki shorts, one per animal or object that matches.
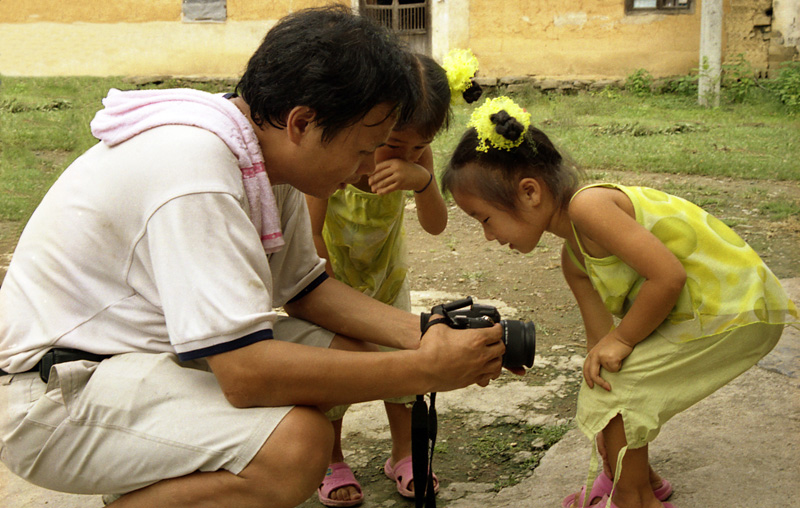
(132, 420)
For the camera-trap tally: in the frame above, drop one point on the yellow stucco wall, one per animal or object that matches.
(580, 38)
(587, 39)
(139, 11)
(89, 11)
(132, 37)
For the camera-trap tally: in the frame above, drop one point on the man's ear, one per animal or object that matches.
(299, 122)
(530, 191)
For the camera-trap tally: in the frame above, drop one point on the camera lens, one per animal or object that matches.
(520, 340)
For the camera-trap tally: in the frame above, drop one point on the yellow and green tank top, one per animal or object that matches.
(728, 285)
(365, 238)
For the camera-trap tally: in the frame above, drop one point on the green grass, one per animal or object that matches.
(45, 126)
(663, 134)
(671, 134)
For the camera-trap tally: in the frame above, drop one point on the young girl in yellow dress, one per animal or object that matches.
(359, 230)
(695, 306)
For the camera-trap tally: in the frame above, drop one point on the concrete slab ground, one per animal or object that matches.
(737, 448)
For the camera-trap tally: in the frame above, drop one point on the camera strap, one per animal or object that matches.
(423, 441)
(424, 425)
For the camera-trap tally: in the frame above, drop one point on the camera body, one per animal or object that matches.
(519, 337)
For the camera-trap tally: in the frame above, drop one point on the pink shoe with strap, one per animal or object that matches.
(606, 503)
(339, 475)
(602, 487)
(402, 473)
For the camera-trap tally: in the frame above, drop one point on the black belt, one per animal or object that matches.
(59, 355)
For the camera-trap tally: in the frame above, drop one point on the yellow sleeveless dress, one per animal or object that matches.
(730, 314)
(365, 238)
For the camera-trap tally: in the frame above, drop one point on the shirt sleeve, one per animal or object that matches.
(296, 269)
(211, 274)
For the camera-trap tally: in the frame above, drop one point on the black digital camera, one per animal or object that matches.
(519, 337)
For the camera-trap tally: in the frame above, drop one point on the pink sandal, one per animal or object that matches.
(339, 475)
(403, 475)
(602, 487)
(606, 503)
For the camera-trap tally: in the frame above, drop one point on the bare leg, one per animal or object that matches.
(608, 469)
(655, 479)
(634, 489)
(400, 426)
(286, 470)
(347, 344)
(399, 416)
(348, 492)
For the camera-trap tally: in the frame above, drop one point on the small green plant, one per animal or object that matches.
(787, 85)
(738, 79)
(608, 92)
(779, 210)
(682, 85)
(635, 129)
(15, 106)
(639, 83)
(477, 276)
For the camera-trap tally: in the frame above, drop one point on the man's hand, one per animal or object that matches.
(608, 354)
(459, 358)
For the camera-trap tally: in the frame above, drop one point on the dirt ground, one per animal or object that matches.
(494, 437)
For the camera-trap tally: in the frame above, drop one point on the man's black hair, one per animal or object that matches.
(333, 61)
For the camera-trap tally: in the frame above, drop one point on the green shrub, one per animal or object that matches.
(681, 85)
(738, 78)
(640, 83)
(787, 85)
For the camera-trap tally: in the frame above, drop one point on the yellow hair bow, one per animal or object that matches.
(481, 120)
(460, 66)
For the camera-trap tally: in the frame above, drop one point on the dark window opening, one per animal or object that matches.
(663, 6)
(407, 17)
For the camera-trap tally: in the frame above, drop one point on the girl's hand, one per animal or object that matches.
(398, 174)
(607, 354)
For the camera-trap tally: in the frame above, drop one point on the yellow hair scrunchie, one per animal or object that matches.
(460, 66)
(487, 133)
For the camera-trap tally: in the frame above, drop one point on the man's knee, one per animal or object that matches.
(292, 462)
(306, 437)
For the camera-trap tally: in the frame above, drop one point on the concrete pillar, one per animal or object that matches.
(710, 52)
(450, 25)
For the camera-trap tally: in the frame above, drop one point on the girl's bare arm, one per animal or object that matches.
(317, 208)
(604, 219)
(431, 210)
(596, 318)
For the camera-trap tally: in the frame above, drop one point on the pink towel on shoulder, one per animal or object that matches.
(129, 113)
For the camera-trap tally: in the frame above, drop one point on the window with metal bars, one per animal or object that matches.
(405, 17)
(663, 6)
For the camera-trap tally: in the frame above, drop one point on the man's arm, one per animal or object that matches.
(339, 308)
(274, 373)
